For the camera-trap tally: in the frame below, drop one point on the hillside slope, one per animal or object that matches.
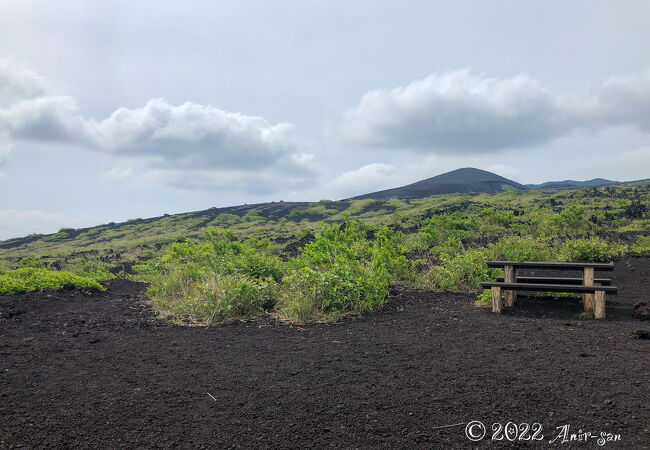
(286, 222)
(463, 180)
(567, 184)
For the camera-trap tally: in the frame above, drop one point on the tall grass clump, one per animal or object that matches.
(28, 279)
(348, 268)
(214, 280)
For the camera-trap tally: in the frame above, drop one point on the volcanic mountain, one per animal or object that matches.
(466, 179)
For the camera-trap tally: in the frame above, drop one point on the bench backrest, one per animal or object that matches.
(551, 265)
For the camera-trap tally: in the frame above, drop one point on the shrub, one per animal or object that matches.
(342, 271)
(484, 299)
(311, 294)
(641, 245)
(590, 250)
(494, 221)
(571, 221)
(38, 279)
(30, 261)
(215, 280)
(440, 229)
(93, 269)
(517, 248)
(463, 272)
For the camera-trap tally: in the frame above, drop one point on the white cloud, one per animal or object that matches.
(18, 82)
(368, 178)
(193, 135)
(625, 100)
(171, 138)
(187, 135)
(46, 118)
(461, 113)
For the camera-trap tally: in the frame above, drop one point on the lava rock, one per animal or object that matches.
(642, 334)
(642, 311)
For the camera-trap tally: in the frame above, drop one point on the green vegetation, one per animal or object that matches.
(220, 279)
(591, 250)
(29, 279)
(319, 261)
(214, 280)
(342, 271)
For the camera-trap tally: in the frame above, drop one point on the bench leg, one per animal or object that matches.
(509, 277)
(588, 280)
(496, 299)
(599, 305)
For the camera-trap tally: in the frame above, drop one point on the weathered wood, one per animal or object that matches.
(580, 289)
(551, 265)
(599, 305)
(509, 277)
(496, 299)
(558, 280)
(588, 280)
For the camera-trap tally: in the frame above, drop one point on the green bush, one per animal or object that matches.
(38, 279)
(448, 229)
(494, 221)
(462, 273)
(484, 299)
(590, 250)
(571, 221)
(346, 269)
(343, 271)
(314, 295)
(93, 269)
(30, 261)
(641, 245)
(518, 248)
(215, 280)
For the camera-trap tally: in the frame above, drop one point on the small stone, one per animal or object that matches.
(641, 311)
(642, 334)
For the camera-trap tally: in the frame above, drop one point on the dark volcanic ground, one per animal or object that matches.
(100, 372)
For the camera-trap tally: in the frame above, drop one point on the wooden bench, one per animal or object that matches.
(593, 289)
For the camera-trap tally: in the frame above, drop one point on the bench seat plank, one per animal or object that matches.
(551, 265)
(557, 280)
(550, 287)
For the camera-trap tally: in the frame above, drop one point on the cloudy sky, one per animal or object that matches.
(114, 110)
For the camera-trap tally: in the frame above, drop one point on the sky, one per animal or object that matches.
(114, 110)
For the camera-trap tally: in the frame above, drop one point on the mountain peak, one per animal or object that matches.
(464, 180)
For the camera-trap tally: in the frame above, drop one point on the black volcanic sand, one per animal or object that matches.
(100, 372)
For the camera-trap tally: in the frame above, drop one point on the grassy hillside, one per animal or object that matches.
(609, 208)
